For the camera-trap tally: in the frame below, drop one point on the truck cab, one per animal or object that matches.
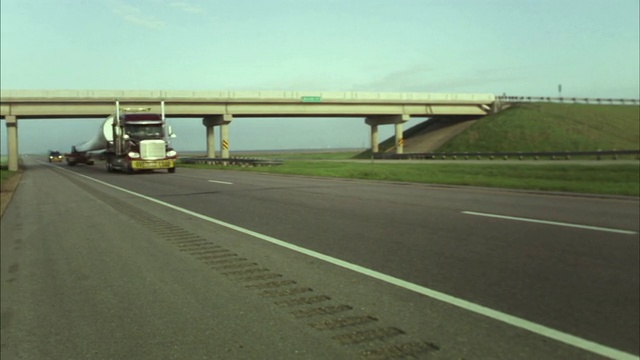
(140, 142)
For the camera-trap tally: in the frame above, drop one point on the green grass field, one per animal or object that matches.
(623, 179)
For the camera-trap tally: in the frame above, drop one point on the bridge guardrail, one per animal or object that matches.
(613, 101)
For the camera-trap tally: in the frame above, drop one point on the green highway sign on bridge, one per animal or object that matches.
(311, 99)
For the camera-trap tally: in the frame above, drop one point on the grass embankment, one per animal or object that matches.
(539, 127)
(596, 179)
(4, 173)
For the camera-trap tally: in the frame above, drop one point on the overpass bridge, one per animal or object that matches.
(220, 108)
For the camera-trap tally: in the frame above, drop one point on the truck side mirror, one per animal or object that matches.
(173, 136)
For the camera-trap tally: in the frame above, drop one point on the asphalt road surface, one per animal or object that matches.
(233, 265)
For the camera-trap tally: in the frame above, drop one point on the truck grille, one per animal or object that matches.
(152, 149)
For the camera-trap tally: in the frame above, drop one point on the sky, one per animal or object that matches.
(514, 47)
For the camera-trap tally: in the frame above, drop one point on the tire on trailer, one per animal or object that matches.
(171, 170)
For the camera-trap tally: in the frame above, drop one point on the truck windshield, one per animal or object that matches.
(144, 131)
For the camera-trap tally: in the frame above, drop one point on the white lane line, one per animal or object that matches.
(220, 182)
(628, 232)
(542, 330)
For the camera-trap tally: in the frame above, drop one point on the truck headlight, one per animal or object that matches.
(171, 153)
(134, 155)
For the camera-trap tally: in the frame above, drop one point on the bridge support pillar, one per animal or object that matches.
(224, 139)
(218, 120)
(211, 142)
(12, 142)
(375, 144)
(397, 120)
(209, 123)
(496, 107)
(399, 138)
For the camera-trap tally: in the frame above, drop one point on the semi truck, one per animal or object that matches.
(133, 139)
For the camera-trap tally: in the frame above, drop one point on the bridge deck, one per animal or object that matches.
(100, 103)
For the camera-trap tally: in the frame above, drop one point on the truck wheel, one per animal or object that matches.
(171, 170)
(109, 167)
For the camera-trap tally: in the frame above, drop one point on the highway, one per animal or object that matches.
(235, 265)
